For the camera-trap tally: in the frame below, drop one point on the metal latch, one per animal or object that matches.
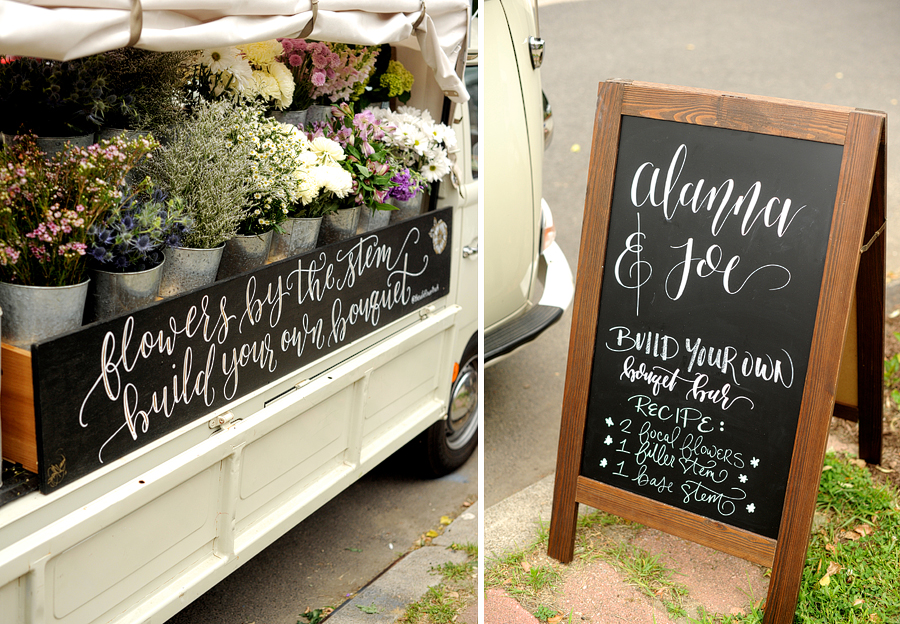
(222, 421)
(425, 312)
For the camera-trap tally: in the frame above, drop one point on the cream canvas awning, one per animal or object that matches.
(68, 29)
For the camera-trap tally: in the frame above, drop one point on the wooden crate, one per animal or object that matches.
(17, 408)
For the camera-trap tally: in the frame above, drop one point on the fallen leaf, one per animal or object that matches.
(883, 469)
(556, 618)
(575, 148)
(825, 581)
(467, 504)
(824, 468)
(453, 594)
(445, 520)
(526, 566)
(830, 547)
(864, 529)
(858, 462)
(833, 568)
(431, 533)
(850, 535)
(858, 602)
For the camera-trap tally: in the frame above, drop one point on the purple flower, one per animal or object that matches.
(143, 243)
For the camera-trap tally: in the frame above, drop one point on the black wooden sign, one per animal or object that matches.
(112, 387)
(714, 261)
(720, 254)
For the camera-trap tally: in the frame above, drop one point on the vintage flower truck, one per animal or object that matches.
(147, 456)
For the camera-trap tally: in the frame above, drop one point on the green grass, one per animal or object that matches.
(855, 544)
(645, 572)
(852, 571)
(443, 603)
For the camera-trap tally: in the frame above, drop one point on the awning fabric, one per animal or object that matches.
(68, 29)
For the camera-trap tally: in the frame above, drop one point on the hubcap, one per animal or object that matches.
(462, 419)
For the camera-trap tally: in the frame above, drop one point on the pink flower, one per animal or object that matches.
(318, 78)
(295, 60)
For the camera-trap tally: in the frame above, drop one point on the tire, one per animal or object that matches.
(449, 442)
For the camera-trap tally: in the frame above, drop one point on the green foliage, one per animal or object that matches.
(543, 613)
(208, 171)
(892, 374)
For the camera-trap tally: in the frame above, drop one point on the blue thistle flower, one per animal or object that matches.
(143, 243)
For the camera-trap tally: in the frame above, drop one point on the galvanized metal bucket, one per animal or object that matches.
(51, 145)
(409, 208)
(244, 253)
(113, 294)
(34, 313)
(186, 269)
(339, 225)
(318, 113)
(300, 235)
(372, 219)
(294, 117)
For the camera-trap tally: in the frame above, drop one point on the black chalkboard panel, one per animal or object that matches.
(112, 387)
(714, 263)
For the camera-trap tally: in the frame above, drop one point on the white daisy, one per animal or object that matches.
(219, 59)
(436, 169)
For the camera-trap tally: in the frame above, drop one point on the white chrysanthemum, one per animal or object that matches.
(327, 150)
(285, 84)
(219, 59)
(241, 75)
(262, 53)
(436, 168)
(266, 85)
(335, 179)
(308, 158)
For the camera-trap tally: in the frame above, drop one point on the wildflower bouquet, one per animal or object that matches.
(367, 159)
(250, 72)
(278, 161)
(131, 237)
(53, 98)
(208, 171)
(417, 141)
(48, 207)
(325, 73)
(325, 182)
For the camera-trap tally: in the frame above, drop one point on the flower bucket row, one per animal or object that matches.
(204, 163)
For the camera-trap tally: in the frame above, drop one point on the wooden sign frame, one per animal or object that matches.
(858, 219)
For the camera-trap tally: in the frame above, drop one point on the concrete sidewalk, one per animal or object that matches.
(385, 599)
(593, 590)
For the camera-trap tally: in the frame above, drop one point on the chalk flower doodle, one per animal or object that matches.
(438, 235)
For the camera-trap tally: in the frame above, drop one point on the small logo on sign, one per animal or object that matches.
(438, 235)
(57, 472)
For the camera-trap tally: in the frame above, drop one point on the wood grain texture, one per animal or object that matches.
(678, 522)
(601, 177)
(17, 408)
(841, 265)
(747, 113)
(858, 212)
(870, 315)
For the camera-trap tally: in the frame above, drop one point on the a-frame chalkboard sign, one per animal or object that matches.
(722, 245)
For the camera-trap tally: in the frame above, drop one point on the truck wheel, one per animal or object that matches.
(449, 442)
